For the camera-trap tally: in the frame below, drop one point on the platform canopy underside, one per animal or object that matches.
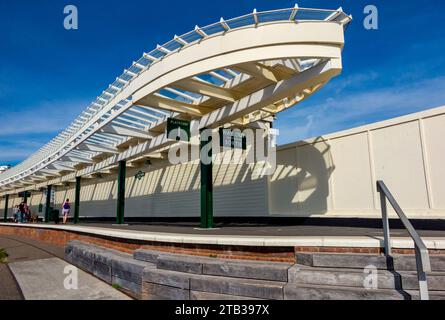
(232, 73)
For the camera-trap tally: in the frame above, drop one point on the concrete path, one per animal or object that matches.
(55, 279)
(9, 289)
(38, 272)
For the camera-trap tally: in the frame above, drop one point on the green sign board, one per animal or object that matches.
(233, 139)
(139, 175)
(25, 194)
(178, 129)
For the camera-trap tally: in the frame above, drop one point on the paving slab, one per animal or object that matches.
(45, 279)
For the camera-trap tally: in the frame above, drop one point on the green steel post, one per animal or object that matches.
(77, 200)
(206, 190)
(6, 208)
(121, 192)
(48, 203)
(25, 197)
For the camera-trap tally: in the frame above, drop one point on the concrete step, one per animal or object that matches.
(386, 279)
(436, 280)
(338, 260)
(248, 269)
(361, 261)
(147, 255)
(408, 263)
(293, 291)
(128, 273)
(272, 271)
(262, 289)
(158, 283)
(157, 275)
(110, 265)
(197, 295)
(302, 275)
(434, 295)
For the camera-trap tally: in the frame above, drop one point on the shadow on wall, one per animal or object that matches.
(300, 185)
(168, 190)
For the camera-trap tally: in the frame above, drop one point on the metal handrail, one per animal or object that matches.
(422, 256)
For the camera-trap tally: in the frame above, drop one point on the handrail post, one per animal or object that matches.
(422, 257)
(386, 230)
(421, 274)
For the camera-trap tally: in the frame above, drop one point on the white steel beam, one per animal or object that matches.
(255, 101)
(78, 159)
(121, 131)
(97, 148)
(207, 89)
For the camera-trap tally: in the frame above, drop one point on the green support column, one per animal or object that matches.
(120, 216)
(77, 200)
(25, 197)
(48, 203)
(5, 218)
(206, 188)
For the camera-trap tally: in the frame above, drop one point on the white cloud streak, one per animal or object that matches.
(48, 117)
(24, 131)
(344, 111)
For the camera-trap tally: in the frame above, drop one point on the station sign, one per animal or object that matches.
(233, 139)
(178, 129)
(139, 175)
(25, 194)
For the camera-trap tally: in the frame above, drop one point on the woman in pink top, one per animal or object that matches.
(66, 207)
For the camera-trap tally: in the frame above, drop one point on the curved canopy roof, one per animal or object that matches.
(211, 74)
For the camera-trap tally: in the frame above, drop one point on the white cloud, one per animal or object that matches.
(349, 110)
(48, 117)
(22, 132)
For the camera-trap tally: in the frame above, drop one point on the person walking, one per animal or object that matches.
(15, 213)
(26, 212)
(66, 207)
(22, 212)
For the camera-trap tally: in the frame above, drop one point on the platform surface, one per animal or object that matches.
(252, 235)
(251, 229)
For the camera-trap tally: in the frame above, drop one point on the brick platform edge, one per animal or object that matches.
(266, 253)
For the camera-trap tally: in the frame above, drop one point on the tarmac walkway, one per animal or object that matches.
(37, 271)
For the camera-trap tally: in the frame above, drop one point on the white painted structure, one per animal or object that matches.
(335, 175)
(236, 73)
(231, 73)
(329, 176)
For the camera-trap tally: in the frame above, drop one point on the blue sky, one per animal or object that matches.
(48, 75)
